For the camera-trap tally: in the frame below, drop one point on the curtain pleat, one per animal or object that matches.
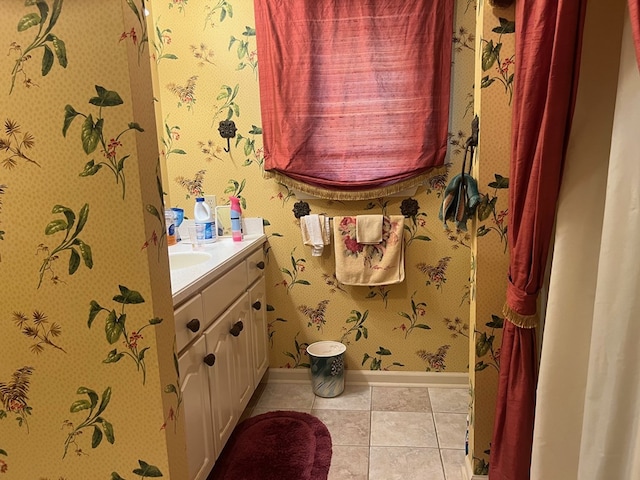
(511, 448)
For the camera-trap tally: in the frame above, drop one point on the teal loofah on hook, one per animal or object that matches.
(461, 197)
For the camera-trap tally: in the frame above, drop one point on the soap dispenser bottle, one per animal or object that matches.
(236, 219)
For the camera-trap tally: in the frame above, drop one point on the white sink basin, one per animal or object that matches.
(187, 259)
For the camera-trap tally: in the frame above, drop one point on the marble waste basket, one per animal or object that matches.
(327, 367)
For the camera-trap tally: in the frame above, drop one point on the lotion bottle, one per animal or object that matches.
(236, 219)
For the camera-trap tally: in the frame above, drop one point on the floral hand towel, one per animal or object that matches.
(369, 265)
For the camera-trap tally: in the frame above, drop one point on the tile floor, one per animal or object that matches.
(382, 433)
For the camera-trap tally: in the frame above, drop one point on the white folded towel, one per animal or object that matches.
(369, 229)
(315, 232)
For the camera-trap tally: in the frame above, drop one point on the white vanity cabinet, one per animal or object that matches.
(221, 336)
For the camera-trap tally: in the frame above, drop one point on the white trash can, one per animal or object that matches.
(327, 367)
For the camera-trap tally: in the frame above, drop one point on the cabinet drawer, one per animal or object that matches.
(222, 293)
(255, 265)
(190, 321)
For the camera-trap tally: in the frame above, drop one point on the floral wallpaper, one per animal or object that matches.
(494, 73)
(87, 364)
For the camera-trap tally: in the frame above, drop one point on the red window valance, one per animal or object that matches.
(354, 94)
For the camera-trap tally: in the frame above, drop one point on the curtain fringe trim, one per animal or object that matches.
(328, 194)
(522, 321)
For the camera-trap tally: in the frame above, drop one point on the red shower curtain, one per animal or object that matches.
(548, 41)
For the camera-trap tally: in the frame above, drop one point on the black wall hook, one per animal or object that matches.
(227, 130)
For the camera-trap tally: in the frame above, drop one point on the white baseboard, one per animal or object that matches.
(374, 378)
(467, 472)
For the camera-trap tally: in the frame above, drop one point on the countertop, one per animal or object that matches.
(224, 254)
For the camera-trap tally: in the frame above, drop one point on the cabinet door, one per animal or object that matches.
(222, 378)
(241, 346)
(230, 381)
(201, 449)
(259, 342)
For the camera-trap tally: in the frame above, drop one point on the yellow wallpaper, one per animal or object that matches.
(495, 45)
(207, 72)
(80, 401)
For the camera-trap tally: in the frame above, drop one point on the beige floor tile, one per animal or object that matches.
(407, 429)
(286, 396)
(453, 461)
(349, 463)
(449, 400)
(396, 421)
(354, 397)
(405, 463)
(451, 429)
(259, 411)
(347, 427)
(400, 399)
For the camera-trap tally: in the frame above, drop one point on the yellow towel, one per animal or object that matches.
(370, 265)
(369, 229)
(315, 232)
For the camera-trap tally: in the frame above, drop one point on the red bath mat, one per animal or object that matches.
(277, 445)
